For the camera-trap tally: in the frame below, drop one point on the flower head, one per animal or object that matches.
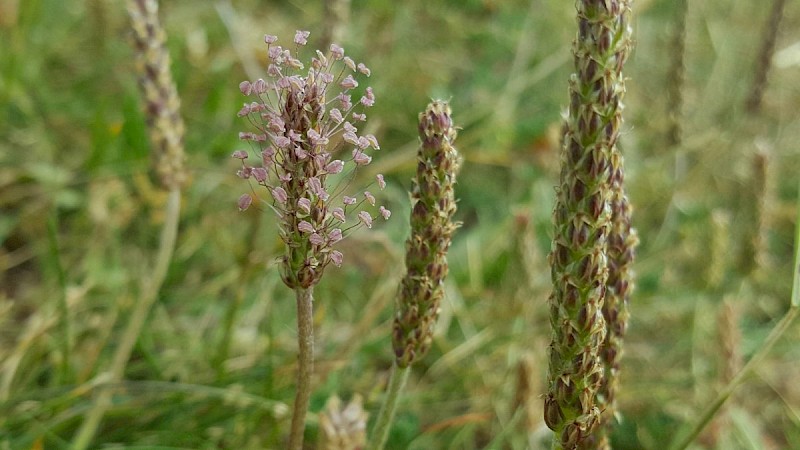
(297, 113)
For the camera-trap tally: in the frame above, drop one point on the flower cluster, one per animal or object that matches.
(300, 123)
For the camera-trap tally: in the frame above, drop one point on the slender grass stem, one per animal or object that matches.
(102, 402)
(305, 365)
(685, 438)
(380, 434)
(247, 267)
(66, 338)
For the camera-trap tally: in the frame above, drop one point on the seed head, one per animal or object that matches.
(433, 207)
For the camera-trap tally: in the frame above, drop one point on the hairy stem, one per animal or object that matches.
(122, 354)
(305, 365)
(380, 434)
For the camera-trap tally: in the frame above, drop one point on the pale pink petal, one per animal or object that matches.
(338, 213)
(304, 205)
(279, 194)
(305, 227)
(385, 213)
(370, 198)
(244, 202)
(337, 258)
(365, 218)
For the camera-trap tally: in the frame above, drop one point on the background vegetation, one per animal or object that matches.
(80, 218)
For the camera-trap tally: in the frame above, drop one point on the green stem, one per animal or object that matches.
(380, 434)
(305, 365)
(102, 402)
(66, 338)
(246, 267)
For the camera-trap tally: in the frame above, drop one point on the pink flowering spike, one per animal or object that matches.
(270, 39)
(365, 218)
(305, 227)
(338, 214)
(246, 87)
(349, 82)
(385, 213)
(239, 154)
(363, 143)
(335, 166)
(304, 205)
(260, 174)
(335, 235)
(361, 158)
(373, 141)
(244, 202)
(316, 239)
(363, 69)
(348, 200)
(301, 37)
(361, 117)
(279, 194)
(337, 258)
(349, 63)
(370, 198)
(337, 52)
(336, 115)
(349, 128)
(381, 181)
(326, 77)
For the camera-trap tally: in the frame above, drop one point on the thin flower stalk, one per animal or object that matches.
(166, 129)
(421, 290)
(300, 118)
(583, 221)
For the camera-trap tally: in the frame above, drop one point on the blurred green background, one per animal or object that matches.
(80, 217)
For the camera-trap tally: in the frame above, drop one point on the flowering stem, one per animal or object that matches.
(305, 364)
(397, 380)
(123, 352)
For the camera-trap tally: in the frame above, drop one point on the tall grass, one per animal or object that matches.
(215, 363)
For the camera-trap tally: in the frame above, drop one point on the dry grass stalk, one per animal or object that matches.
(158, 89)
(765, 53)
(676, 77)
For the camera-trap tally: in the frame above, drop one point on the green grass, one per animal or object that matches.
(80, 220)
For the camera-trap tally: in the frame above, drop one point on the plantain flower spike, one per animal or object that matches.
(163, 104)
(583, 222)
(433, 205)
